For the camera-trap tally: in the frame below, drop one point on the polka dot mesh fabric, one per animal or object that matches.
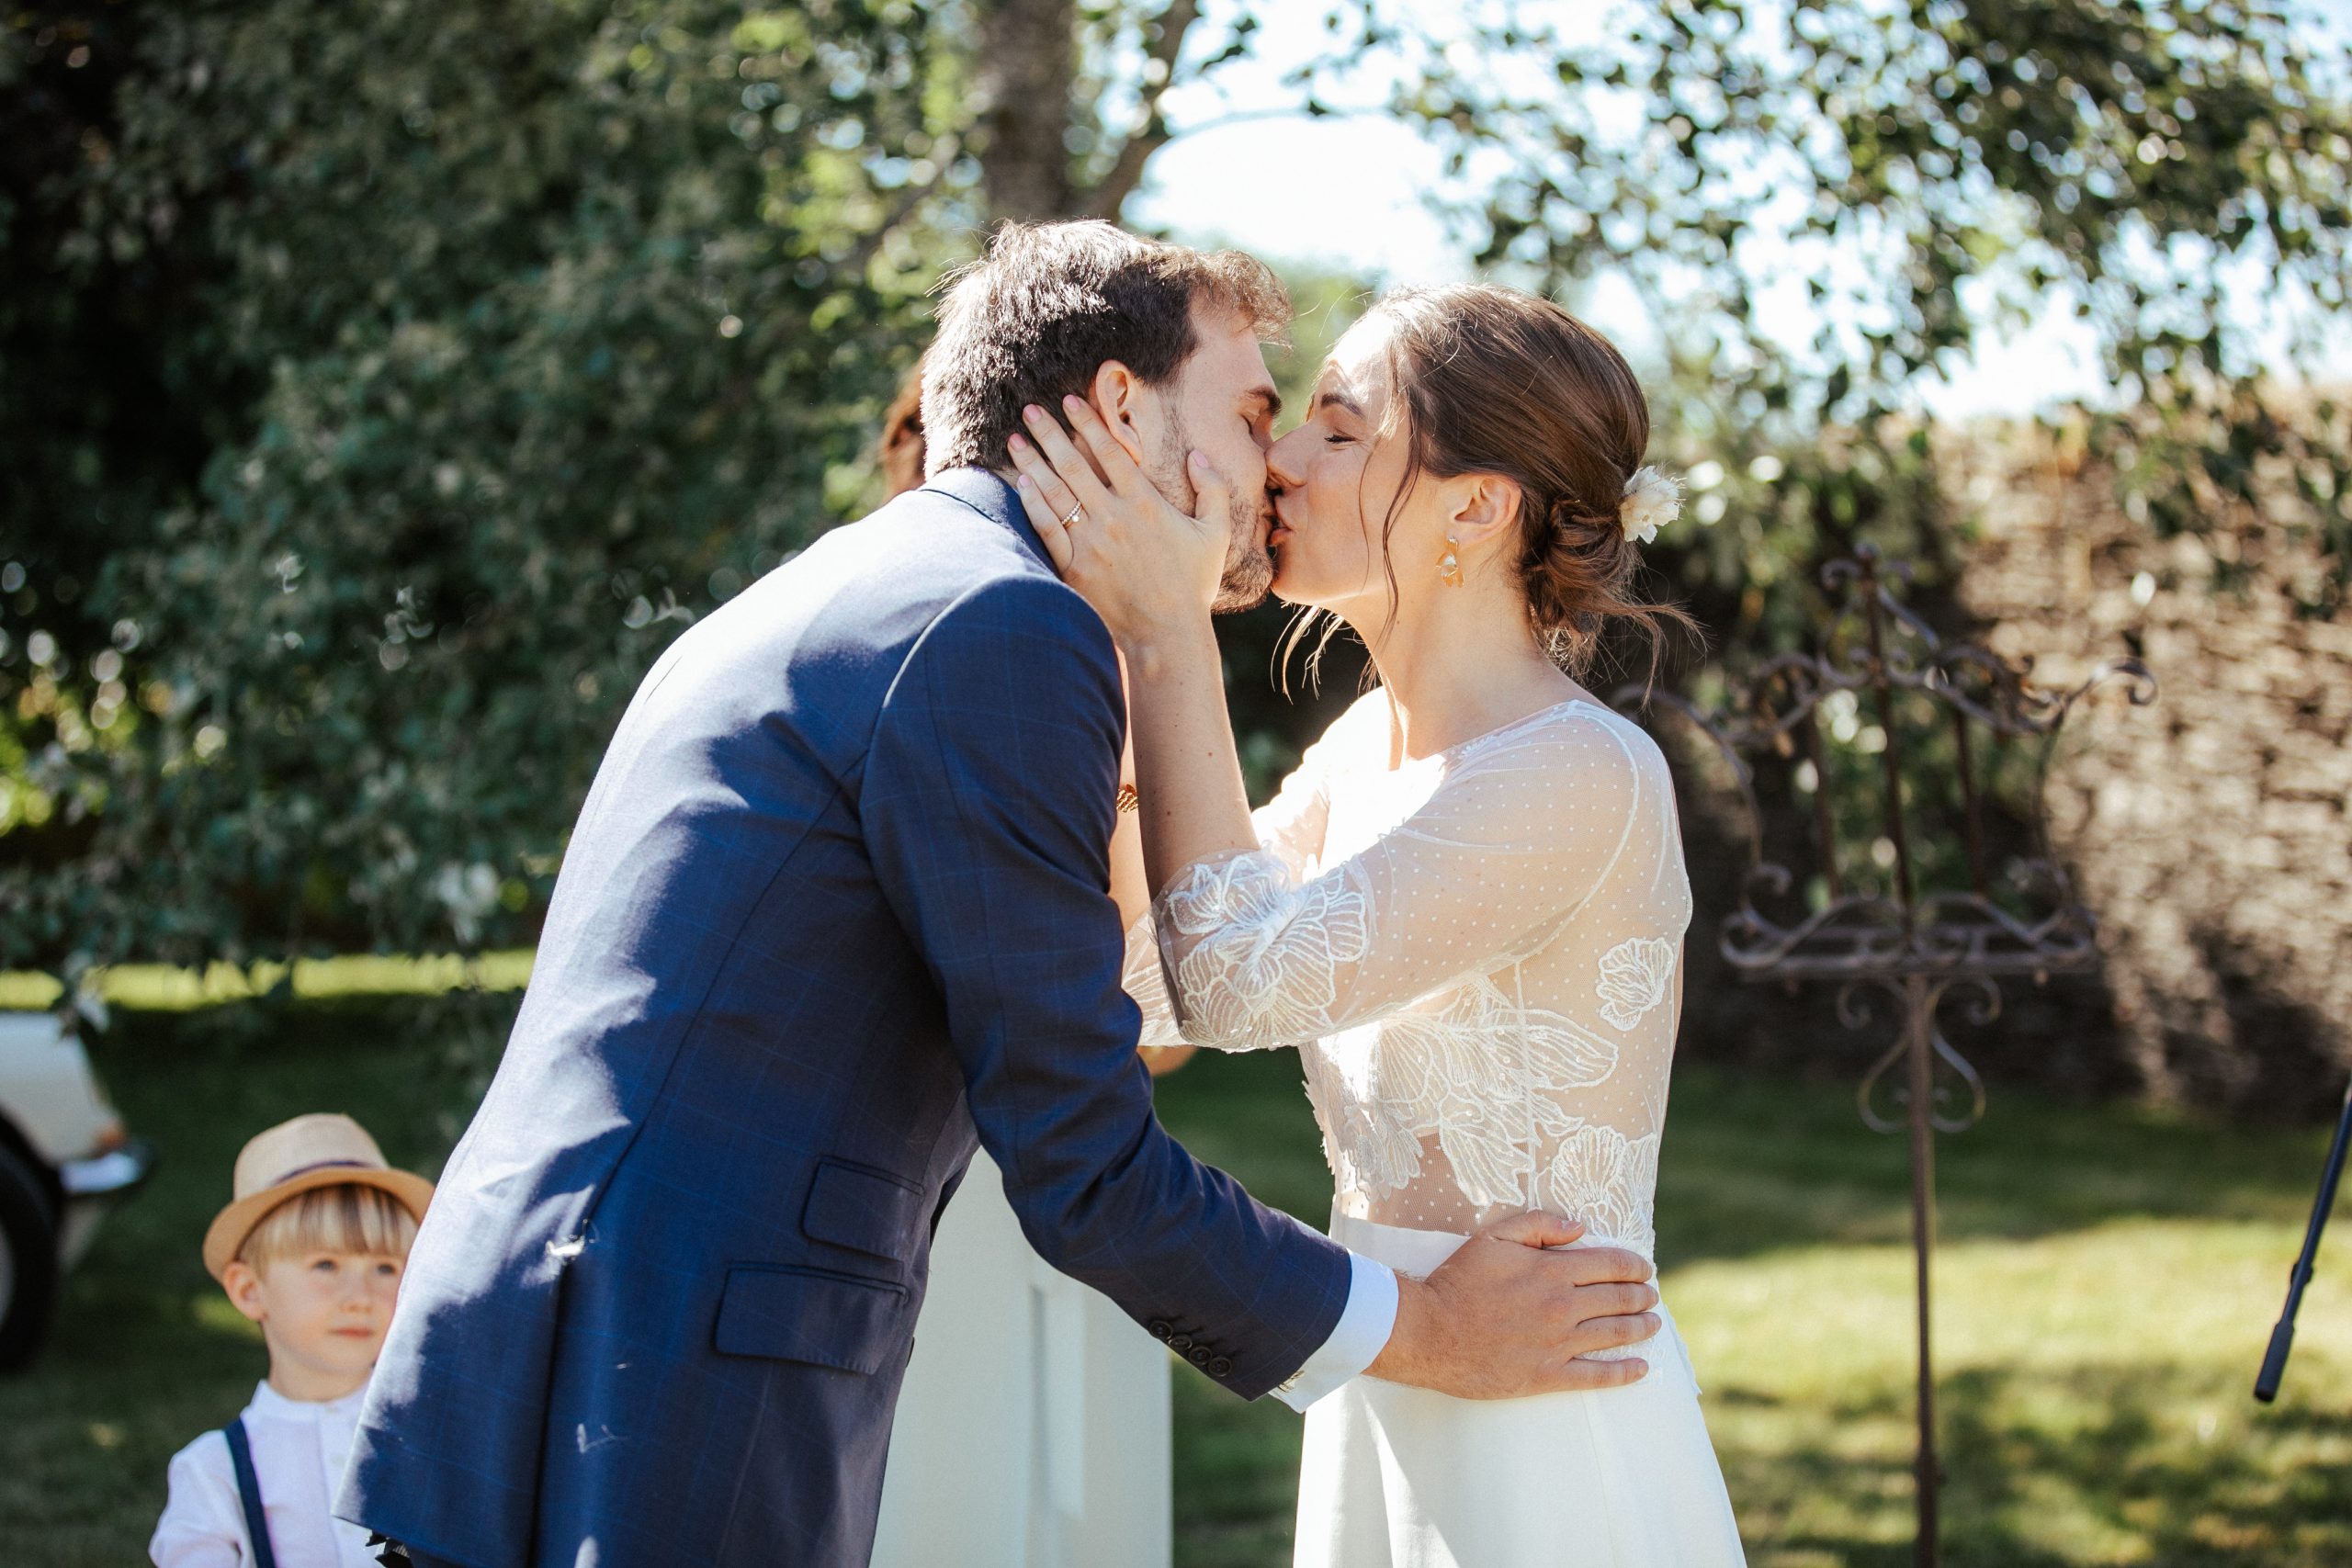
(1477, 953)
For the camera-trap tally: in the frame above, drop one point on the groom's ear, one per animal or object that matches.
(1484, 508)
(1126, 405)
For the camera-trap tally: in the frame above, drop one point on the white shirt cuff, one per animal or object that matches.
(1361, 1335)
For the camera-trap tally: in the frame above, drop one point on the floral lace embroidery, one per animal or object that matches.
(1441, 1078)
(1280, 985)
(1460, 1054)
(1369, 1146)
(1600, 1176)
(1633, 978)
(1610, 1182)
(1478, 1075)
(1143, 981)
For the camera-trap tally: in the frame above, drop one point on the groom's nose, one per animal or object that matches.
(1281, 473)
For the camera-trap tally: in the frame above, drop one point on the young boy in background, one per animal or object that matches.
(312, 1248)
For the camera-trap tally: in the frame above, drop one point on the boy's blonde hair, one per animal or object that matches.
(346, 1217)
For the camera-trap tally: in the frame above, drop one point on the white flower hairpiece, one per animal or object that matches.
(1651, 502)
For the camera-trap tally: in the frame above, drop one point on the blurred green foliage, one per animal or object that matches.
(1822, 204)
(385, 387)
(382, 387)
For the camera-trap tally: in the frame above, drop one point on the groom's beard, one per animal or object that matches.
(1249, 569)
(1248, 573)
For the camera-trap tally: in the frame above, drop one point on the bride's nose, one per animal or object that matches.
(1285, 461)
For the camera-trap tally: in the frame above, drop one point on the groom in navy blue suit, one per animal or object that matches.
(835, 910)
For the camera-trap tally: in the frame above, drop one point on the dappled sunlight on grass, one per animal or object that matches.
(2106, 1282)
(2093, 1391)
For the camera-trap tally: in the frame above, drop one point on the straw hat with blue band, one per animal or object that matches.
(319, 1150)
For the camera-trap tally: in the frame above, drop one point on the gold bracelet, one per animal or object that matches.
(1128, 800)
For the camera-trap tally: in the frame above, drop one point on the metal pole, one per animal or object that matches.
(2282, 1337)
(1920, 998)
(1952, 938)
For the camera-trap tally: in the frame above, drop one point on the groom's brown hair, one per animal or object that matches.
(1032, 322)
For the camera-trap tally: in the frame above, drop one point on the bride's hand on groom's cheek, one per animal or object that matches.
(1143, 564)
(1514, 1311)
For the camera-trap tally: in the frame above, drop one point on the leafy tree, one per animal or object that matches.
(1820, 206)
(387, 384)
(469, 351)
(2175, 175)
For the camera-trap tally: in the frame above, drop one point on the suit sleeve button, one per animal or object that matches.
(1158, 1329)
(1221, 1367)
(1180, 1343)
(1198, 1355)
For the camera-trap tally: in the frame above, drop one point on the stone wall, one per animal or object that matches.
(2213, 833)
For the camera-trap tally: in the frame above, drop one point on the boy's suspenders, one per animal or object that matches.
(241, 1455)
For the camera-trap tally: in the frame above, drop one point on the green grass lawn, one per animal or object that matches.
(2106, 1282)
(2107, 1279)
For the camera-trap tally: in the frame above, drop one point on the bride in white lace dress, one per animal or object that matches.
(1466, 908)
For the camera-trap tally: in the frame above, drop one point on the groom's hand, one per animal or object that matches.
(1504, 1316)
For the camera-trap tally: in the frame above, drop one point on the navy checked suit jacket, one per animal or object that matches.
(836, 907)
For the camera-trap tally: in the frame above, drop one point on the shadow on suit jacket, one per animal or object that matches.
(835, 906)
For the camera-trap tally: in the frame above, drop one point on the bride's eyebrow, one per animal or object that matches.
(1339, 400)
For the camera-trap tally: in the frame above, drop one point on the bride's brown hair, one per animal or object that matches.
(1493, 381)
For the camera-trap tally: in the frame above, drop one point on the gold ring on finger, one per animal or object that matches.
(1075, 513)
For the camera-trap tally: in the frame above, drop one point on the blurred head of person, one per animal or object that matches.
(898, 450)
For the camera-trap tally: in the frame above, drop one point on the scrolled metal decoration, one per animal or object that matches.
(1913, 943)
(1984, 1006)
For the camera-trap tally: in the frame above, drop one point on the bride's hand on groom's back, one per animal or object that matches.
(1513, 1310)
(1140, 560)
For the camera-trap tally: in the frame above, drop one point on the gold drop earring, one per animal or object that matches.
(1449, 568)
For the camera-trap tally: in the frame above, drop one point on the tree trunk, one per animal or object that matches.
(1151, 133)
(1025, 67)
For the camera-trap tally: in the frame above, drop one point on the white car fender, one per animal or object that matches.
(47, 1091)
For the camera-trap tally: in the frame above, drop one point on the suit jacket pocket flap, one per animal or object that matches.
(810, 1314)
(867, 1211)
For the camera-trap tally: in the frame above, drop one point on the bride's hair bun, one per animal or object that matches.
(1496, 381)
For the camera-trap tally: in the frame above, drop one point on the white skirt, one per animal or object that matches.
(1398, 1477)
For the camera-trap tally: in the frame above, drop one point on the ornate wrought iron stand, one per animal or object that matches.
(1916, 943)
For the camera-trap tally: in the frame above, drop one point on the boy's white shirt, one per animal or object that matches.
(299, 1450)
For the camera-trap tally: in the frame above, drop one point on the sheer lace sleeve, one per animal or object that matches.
(1290, 827)
(1148, 987)
(1290, 830)
(1262, 950)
